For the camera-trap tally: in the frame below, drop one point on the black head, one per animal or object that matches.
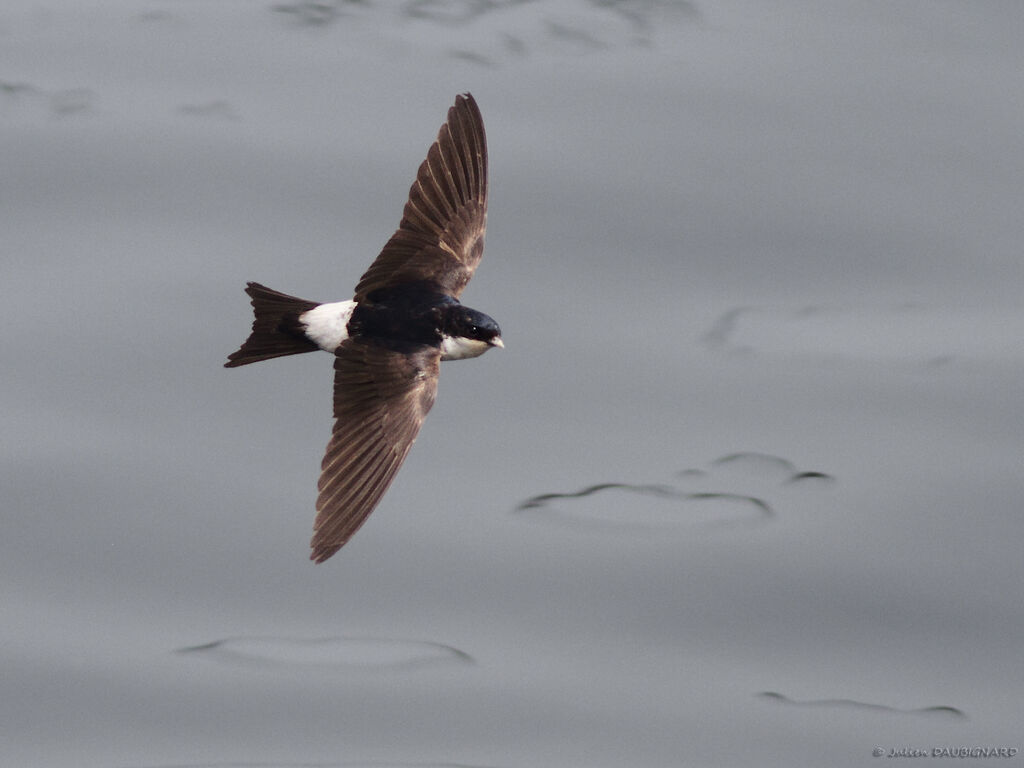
(467, 323)
(467, 333)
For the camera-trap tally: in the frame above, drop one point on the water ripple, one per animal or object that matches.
(342, 652)
(617, 510)
(906, 334)
(737, 489)
(480, 31)
(753, 464)
(851, 704)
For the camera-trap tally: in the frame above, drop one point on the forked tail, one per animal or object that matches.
(276, 330)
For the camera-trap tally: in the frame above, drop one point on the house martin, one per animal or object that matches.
(389, 340)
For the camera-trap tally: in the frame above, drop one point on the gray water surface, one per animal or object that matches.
(744, 488)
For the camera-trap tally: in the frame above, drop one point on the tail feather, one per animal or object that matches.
(276, 330)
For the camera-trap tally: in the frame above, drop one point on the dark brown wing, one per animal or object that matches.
(380, 400)
(441, 236)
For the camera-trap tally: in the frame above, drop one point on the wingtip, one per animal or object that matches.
(321, 550)
(466, 99)
(319, 555)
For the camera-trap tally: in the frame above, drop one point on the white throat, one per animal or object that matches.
(461, 348)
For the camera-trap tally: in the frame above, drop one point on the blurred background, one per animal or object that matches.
(745, 486)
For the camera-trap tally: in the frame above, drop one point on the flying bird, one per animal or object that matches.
(389, 340)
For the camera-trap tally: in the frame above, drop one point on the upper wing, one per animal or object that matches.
(381, 397)
(441, 236)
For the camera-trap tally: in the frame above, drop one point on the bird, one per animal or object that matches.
(388, 341)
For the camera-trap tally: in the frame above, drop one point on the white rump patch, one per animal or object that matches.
(327, 324)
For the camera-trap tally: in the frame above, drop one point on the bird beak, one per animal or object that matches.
(497, 342)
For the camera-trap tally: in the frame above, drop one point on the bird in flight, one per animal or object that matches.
(389, 340)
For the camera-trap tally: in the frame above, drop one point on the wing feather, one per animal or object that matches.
(381, 397)
(440, 239)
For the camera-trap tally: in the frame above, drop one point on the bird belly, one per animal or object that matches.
(326, 325)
